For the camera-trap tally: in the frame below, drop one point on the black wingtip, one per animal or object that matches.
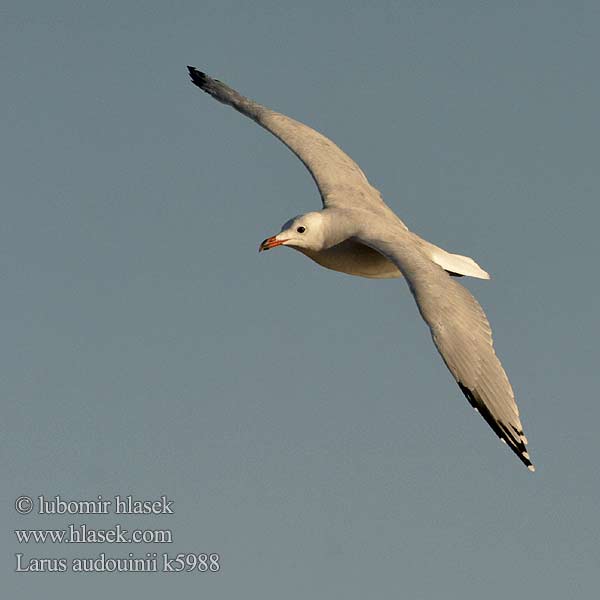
(198, 77)
(514, 440)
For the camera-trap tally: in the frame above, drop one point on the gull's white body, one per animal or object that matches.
(357, 233)
(355, 258)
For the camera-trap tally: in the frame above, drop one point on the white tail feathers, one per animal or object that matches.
(455, 263)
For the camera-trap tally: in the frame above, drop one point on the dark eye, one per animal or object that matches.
(301, 229)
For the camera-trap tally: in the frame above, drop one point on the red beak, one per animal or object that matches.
(269, 243)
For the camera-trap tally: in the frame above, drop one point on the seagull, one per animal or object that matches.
(357, 233)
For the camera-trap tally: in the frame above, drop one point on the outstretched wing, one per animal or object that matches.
(463, 337)
(340, 180)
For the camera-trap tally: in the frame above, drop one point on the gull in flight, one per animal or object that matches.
(358, 234)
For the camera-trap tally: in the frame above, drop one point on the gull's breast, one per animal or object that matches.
(354, 258)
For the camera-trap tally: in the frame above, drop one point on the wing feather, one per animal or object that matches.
(462, 334)
(339, 179)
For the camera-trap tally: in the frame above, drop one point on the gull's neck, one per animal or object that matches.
(338, 225)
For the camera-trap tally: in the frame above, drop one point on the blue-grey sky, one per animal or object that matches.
(301, 420)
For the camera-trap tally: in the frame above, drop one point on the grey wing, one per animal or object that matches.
(463, 337)
(340, 180)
